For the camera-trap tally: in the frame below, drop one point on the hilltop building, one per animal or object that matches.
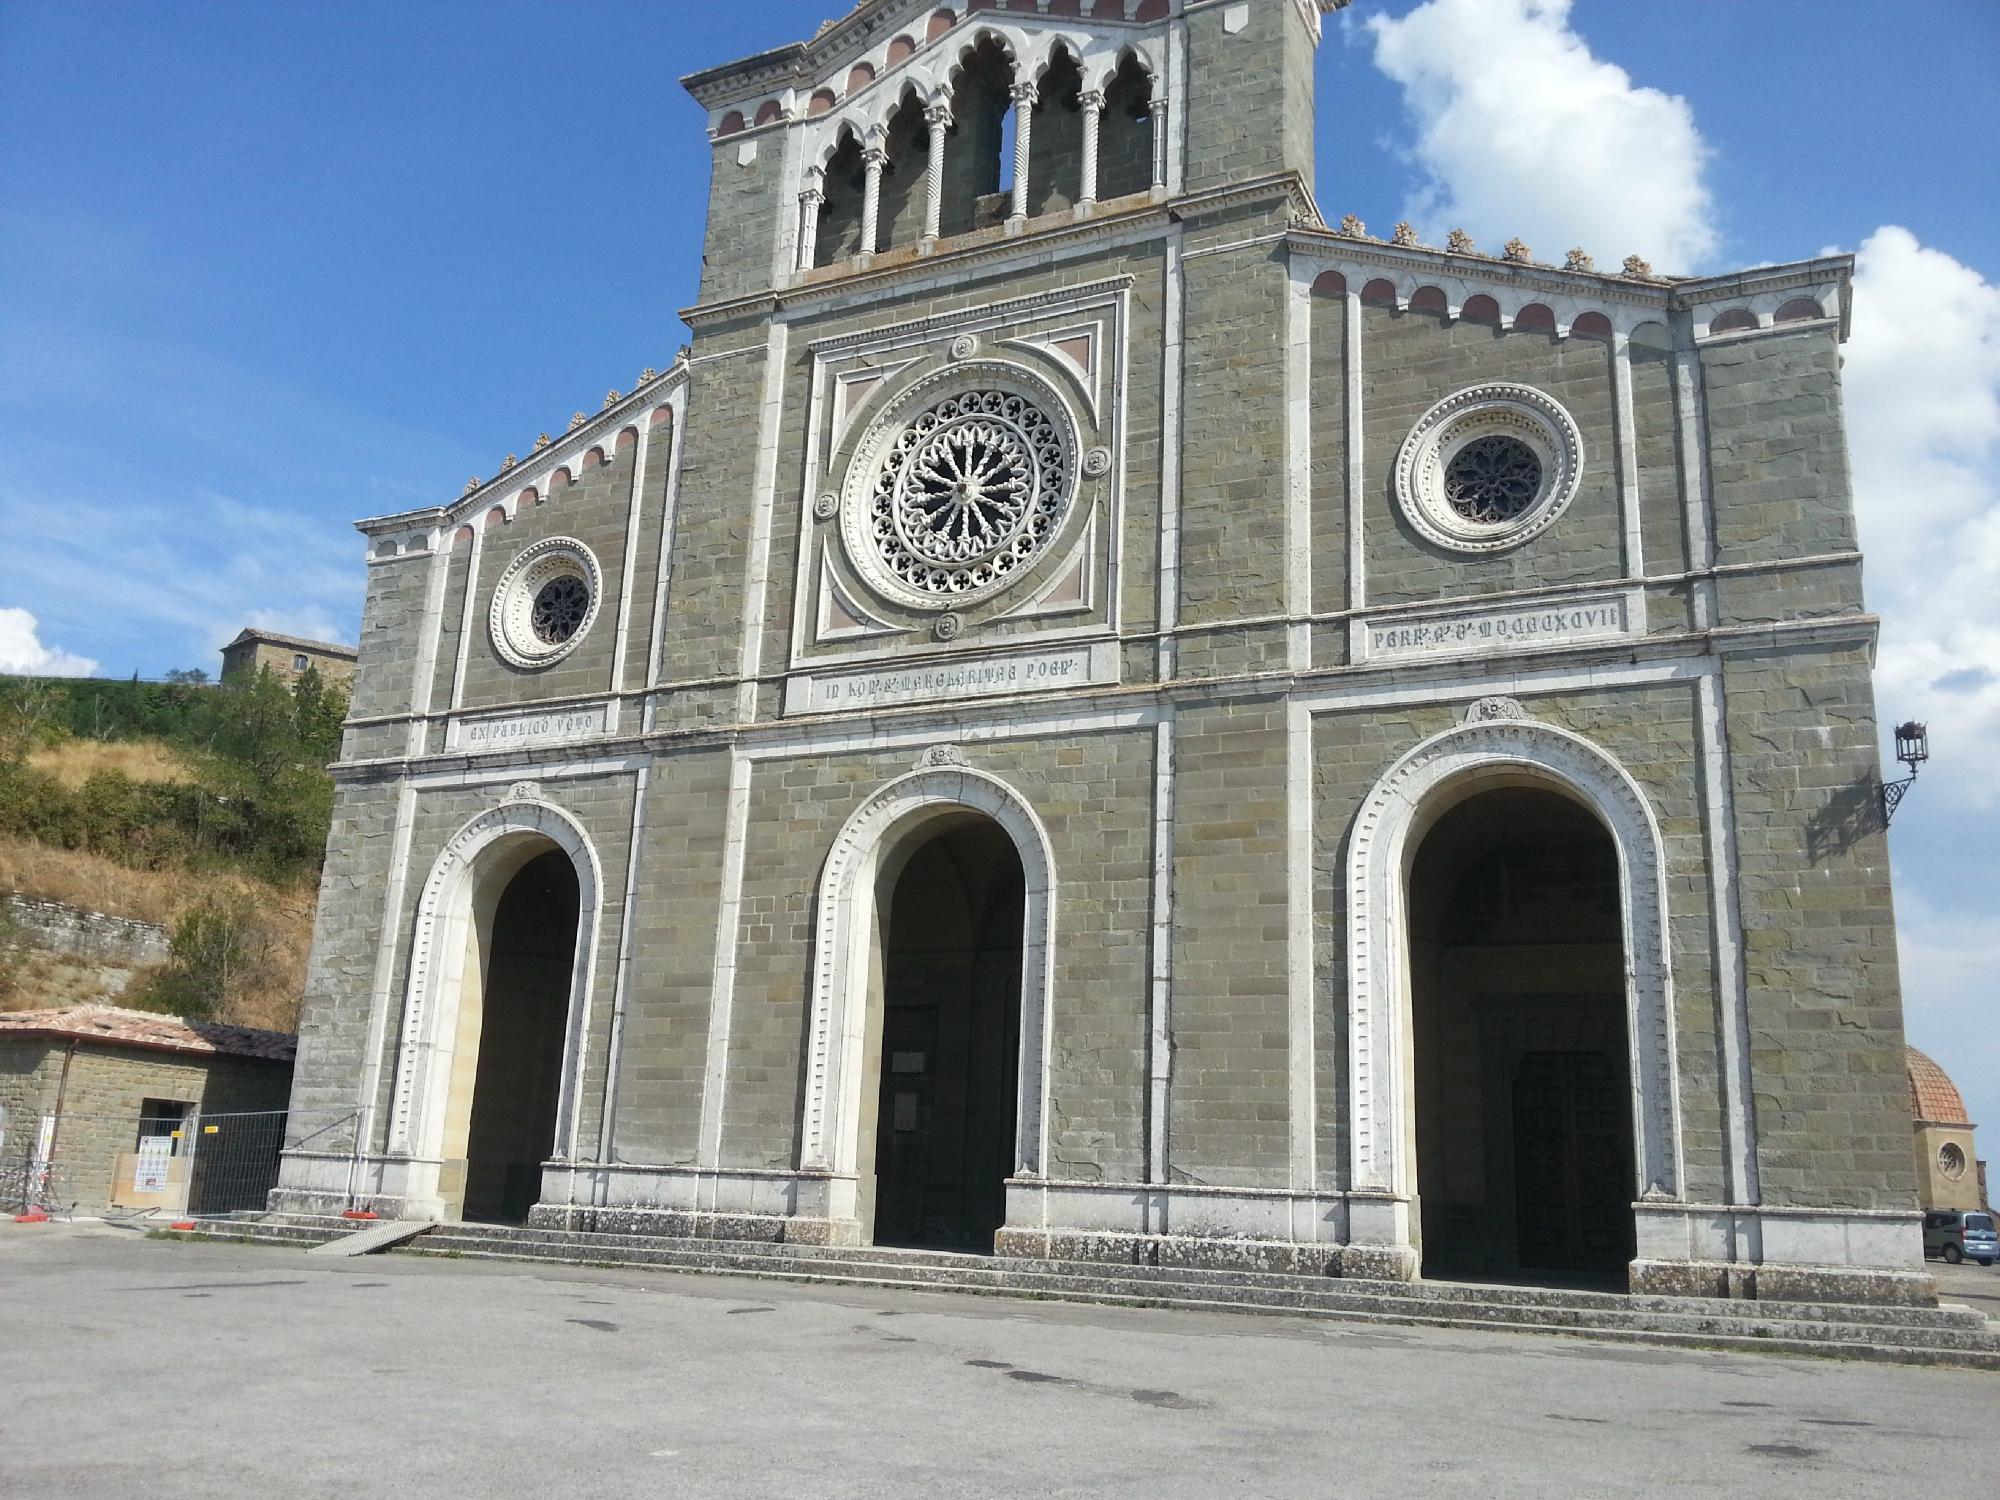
(286, 657)
(1098, 712)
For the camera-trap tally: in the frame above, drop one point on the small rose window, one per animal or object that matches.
(1493, 480)
(545, 603)
(1489, 467)
(561, 607)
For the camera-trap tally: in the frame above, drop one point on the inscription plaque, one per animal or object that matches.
(1481, 632)
(951, 678)
(539, 727)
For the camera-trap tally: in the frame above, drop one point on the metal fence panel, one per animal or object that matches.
(193, 1164)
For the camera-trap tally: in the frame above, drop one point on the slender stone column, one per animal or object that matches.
(1093, 117)
(1159, 114)
(874, 159)
(811, 201)
(938, 118)
(1024, 96)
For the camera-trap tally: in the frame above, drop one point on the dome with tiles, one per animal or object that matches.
(1934, 1098)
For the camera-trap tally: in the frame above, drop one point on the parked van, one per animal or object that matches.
(1961, 1236)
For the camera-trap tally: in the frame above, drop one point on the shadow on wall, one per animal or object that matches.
(1851, 814)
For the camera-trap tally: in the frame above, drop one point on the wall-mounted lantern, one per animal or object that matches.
(1913, 748)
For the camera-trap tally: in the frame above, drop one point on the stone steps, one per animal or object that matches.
(1778, 1336)
(592, 1246)
(1947, 1336)
(1423, 1302)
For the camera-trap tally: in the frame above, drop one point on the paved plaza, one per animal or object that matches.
(136, 1366)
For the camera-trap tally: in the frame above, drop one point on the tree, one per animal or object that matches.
(187, 676)
(33, 716)
(216, 948)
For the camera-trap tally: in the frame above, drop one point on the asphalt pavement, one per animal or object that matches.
(136, 1367)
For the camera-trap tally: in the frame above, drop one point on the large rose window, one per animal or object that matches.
(969, 492)
(954, 496)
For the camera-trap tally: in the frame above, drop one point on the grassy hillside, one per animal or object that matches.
(204, 810)
(74, 762)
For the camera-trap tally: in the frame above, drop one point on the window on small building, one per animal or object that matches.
(161, 1117)
(299, 662)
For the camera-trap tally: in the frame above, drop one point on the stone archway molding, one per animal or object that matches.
(1498, 740)
(437, 967)
(844, 928)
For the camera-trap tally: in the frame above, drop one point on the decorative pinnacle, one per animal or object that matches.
(1458, 242)
(1405, 234)
(542, 442)
(648, 374)
(1517, 249)
(1638, 266)
(1353, 228)
(508, 462)
(1579, 260)
(612, 398)
(472, 484)
(577, 421)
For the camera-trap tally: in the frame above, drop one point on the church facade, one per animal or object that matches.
(1093, 714)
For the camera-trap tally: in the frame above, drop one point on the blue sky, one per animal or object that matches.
(266, 268)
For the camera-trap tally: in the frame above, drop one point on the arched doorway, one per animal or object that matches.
(981, 905)
(512, 1023)
(945, 1115)
(1519, 1047)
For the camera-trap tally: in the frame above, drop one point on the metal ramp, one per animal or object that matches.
(375, 1237)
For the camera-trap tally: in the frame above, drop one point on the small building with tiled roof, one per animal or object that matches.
(286, 657)
(84, 1088)
(1949, 1172)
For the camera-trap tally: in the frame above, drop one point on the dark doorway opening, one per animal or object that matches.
(1523, 1091)
(951, 967)
(530, 955)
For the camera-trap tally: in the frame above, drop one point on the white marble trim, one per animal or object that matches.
(437, 967)
(843, 930)
(1377, 863)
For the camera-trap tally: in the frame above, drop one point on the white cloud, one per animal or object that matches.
(1581, 156)
(178, 579)
(1922, 384)
(23, 654)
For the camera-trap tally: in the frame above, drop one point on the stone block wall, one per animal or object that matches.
(1250, 83)
(594, 509)
(1230, 1124)
(59, 928)
(393, 618)
(1826, 1034)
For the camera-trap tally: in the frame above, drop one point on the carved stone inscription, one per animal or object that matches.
(542, 727)
(977, 677)
(1479, 632)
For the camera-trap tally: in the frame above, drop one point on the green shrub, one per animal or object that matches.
(262, 801)
(217, 950)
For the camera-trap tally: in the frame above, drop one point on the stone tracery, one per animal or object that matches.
(962, 486)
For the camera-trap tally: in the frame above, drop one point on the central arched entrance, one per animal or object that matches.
(1519, 1043)
(513, 1036)
(926, 1070)
(945, 1116)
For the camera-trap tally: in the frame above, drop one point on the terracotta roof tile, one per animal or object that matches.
(137, 1028)
(1933, 1096)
